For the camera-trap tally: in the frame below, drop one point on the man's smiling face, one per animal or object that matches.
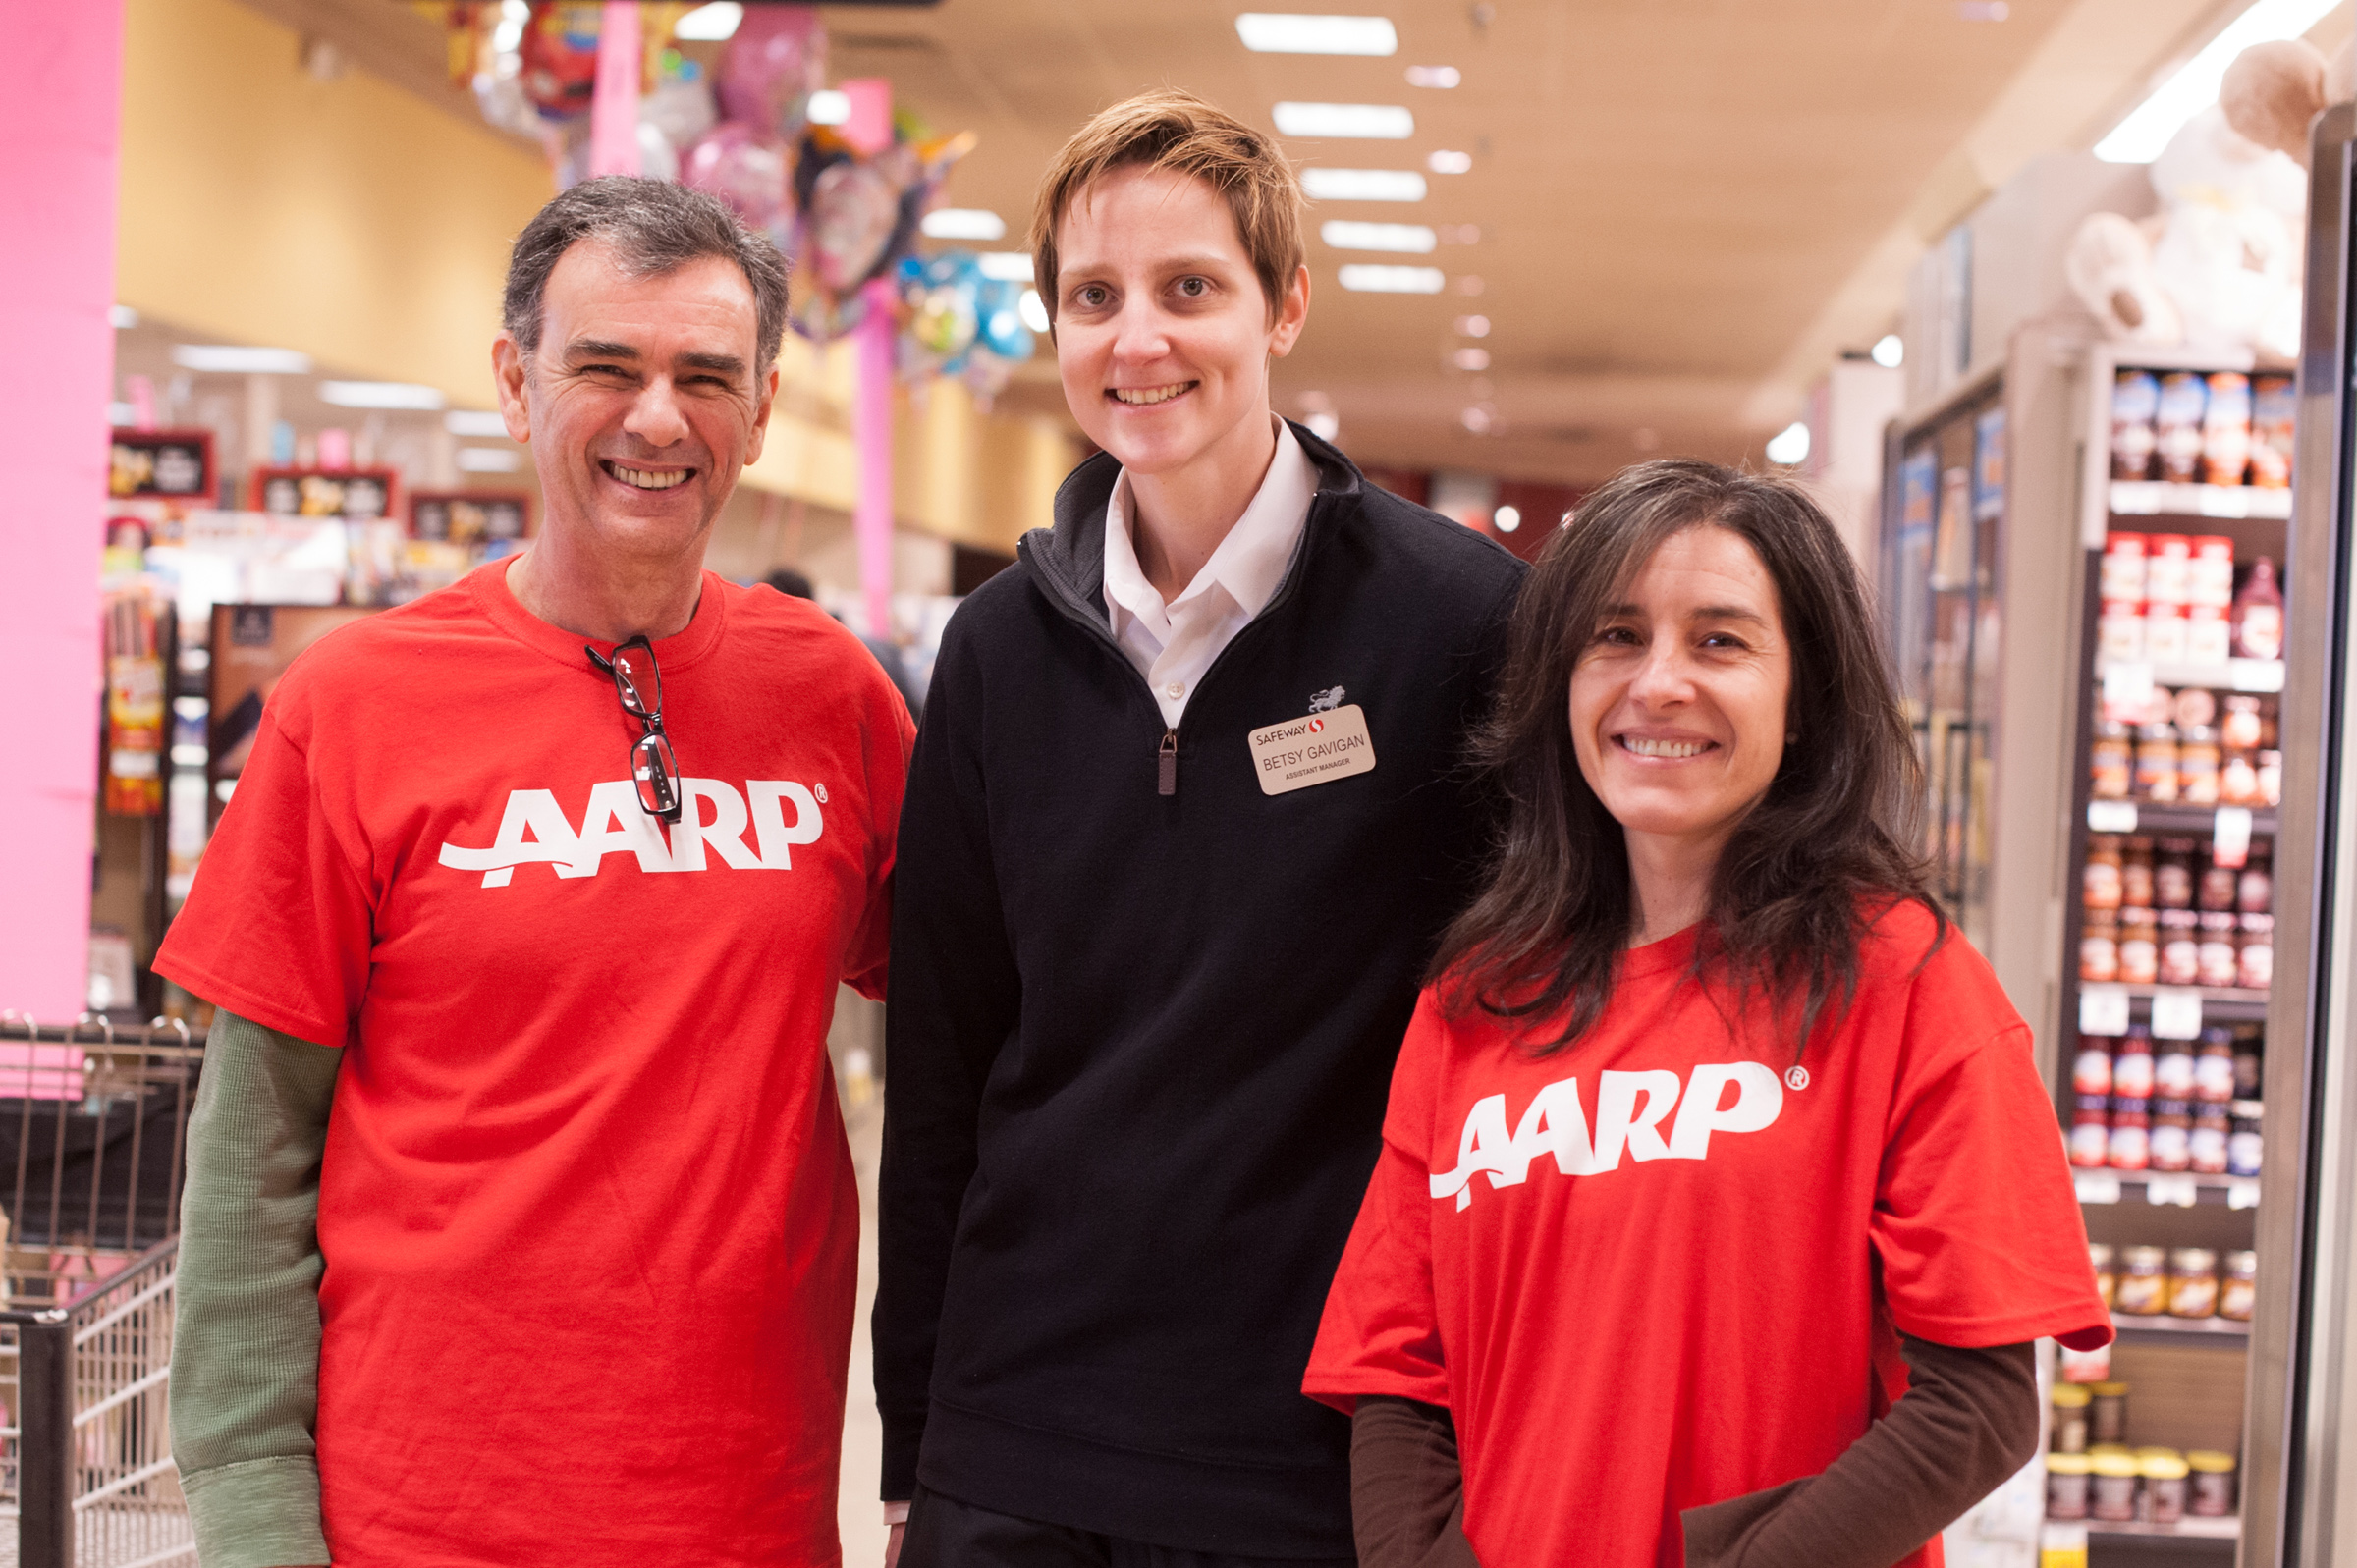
(642, 403)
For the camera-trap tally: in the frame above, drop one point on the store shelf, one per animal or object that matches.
(2164, 1189)
(2144, 498)
(2143, 816)
(2235, 675)
(2223, 1331)
(2186, 1529)
(2220, 1003)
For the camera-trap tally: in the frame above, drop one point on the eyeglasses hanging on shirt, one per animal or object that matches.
(638, 683)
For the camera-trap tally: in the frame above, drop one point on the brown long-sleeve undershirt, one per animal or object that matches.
(1968, 1420)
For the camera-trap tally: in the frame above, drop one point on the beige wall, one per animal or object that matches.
(352, 221)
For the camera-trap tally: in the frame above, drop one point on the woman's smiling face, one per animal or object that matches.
(1680, 700)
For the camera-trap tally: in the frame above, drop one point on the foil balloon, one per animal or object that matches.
(853, 213)
(1001, 330)
(679, 106)
(560, 57)
(774, 62)
(746, 169)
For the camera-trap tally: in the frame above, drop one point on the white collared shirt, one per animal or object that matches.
(1173, 644)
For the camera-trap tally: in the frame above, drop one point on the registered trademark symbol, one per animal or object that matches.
(820, 791)
(1796, 1078)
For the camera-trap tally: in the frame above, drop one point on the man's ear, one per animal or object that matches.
(1292, 314)
(769, 397)
(508, 375)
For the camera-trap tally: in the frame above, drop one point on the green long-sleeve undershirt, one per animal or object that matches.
(246, 1343)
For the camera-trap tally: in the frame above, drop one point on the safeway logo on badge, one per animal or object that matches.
(1317, 727)
(533, 830)
(1630, 1108)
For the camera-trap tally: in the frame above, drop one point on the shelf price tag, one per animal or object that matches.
(2110, 816)
(2242, 1195)
(2097, 1186)
(2127, 686)
(2176, 1013)
(2171, 1191)
(2104, 1011)
(2230, 837)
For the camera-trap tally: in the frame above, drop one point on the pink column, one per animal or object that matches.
(61, 85)
(869, 132)
(614, 108)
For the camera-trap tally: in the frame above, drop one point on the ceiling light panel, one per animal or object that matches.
(1385, 121)
(1449, 162)
(231, 360)
(830, 107)
(381, 395)
(489, 460)
(1293, 32)
(710, 23)
(2140, 137)
(476, 422)
(1005, 266)
(1366, 278)
(1403, 239)
(1362, 184)
(963, 223)
(1434, 75)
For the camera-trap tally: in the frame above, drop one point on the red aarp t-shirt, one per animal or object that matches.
(1662, 1268)
(586, 1207)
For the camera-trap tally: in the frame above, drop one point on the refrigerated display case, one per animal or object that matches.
(1998, 507)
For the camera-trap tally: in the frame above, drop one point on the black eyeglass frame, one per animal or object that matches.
(654, 766)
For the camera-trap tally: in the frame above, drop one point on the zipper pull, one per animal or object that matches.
(1166, 765)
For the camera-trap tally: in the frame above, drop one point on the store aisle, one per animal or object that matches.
(860, 1512)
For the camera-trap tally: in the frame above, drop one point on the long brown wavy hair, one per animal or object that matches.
(1826, 848)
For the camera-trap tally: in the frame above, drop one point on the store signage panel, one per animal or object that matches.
(2176, 1013)
(2230, 837)
(160, 465)
(2097, 1186)
(2110, 816)
(2170, 1192)
(469, 517)
(356, 495)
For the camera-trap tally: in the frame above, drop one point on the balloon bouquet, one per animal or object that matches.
(848, 212)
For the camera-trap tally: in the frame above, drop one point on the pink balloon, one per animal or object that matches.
(746, 169)
(855, 207)
(770, 63)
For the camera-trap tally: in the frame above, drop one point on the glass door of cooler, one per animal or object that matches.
(1940, 560)
(2168, 940)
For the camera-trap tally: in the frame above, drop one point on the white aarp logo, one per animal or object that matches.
(712, 822)
(1630, 1108)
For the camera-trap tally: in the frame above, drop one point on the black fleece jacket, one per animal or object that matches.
(1144, 1018)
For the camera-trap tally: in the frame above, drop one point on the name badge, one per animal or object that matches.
(1316, 750)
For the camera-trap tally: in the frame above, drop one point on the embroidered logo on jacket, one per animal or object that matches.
(1326, 701)
(711, 826)
(1630, 1108)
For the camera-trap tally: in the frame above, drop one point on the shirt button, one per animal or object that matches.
(1176, 689)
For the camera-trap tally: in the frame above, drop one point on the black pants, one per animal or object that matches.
(944, 1533)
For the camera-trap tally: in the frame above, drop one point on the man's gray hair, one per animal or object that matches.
(650, 226)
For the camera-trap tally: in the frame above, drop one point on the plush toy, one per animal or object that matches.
(2219, 265)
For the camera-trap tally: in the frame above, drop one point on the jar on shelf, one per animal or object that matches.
(2193, 705)
(2091, 1132)
(2205, 1145)
(2192, 1283)
(2172, 1070)
(2215, 887)
(2136, 870)
(2212, 1066)
(2254, 955)
(2099, 948)
(2112, 1495)
(2067, 1475)
(2172, 873)
(2139, 947)
(2239, 1286)
(2170, 1142)
(2255, 886)
(2238, 779)
(2249, 1038)
(2068, 1433)
(2180, 962)
(2102, 884)
(2111, 762)
(2165, 632)
(2122, 568)
(2143, 1292)
(2198, 759)
(2271, 778)
(2157, 763)
(2245, 1144)
(2208, 636)
(2221, 955)
(2132, 1064)
(2129, 1145)
(2107, 1271)
(2210, 1492)
(2238, 725)
(2106, 1415)
(2164, 1471)
(2119, 630)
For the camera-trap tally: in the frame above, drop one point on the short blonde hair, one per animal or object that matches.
(1179, 132)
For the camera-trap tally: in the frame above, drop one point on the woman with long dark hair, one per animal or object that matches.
(1711, 1137)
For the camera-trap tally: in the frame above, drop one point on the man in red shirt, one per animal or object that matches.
(520, 1225)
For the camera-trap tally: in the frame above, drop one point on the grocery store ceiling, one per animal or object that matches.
(1685, 208)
